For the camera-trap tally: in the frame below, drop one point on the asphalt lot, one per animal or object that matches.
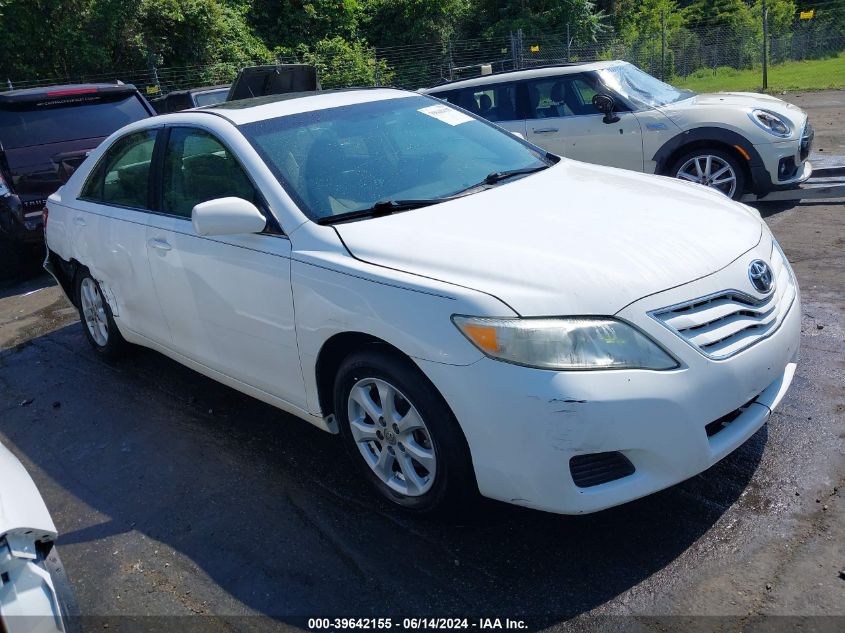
(177, 496)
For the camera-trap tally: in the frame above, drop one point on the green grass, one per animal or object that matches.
(817, 74)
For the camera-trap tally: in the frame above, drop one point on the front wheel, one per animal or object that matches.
(96, 317)
(402, 434)
(714, 168)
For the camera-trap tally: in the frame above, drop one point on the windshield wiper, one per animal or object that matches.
(499, 176)
(388, 207)
(381, 208)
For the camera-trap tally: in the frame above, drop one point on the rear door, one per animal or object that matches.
(227, 299)
(107, 227)
(497, 103)
(563, 120)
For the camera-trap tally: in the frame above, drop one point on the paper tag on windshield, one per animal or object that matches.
(446, 114)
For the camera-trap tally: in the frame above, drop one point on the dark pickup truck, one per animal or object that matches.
(45, 134)
(179, 100)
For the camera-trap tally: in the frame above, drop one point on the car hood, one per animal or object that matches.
(573, 239)
(739, 100)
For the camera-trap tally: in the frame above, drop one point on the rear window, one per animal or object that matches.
(212, 97)
(77, 117)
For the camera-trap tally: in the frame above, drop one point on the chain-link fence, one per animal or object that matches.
(667, 52)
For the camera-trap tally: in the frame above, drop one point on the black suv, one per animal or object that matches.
(45, 134)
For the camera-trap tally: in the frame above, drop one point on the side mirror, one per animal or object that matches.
(605, 104)
(227, 216)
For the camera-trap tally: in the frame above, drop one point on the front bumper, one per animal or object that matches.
(784, 164)
(523, 426)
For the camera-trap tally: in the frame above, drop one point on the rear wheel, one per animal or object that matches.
(714, 168)
(402, 434)
(96, 317)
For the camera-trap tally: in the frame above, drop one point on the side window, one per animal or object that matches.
(494, 103)
(197, 168)
(562, 96)
(122, 177)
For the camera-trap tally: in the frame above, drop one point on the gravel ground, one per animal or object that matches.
(176, 496)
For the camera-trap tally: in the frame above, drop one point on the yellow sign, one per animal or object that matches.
(153, 90)
(535, 49)
(807, 15)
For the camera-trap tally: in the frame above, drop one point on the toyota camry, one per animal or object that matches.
(467, 312)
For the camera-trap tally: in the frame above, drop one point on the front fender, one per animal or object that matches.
(760, 179)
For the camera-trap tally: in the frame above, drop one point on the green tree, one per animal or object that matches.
(498, 18)
(403, 22)
(287, 23)
(340, 63)
(192, 32)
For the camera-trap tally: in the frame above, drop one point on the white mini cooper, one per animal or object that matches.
(612, 113)
(469, 312)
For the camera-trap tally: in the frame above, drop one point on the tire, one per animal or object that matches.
(96, 317)
(429, 442)
(685, 169)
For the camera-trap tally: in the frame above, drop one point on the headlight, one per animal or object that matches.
(771, 122)
(565, 343)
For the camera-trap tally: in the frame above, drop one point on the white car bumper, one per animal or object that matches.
(784, 164)
(524, 426)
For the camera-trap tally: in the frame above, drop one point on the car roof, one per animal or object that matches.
(261, 108)
(526, 73)
(61, 91)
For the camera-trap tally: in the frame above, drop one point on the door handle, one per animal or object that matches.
(159, 244)
(79, 221)
(545, 130)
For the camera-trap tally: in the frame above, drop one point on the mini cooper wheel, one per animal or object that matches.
(712, 168)
(402, 434)
(96, 317)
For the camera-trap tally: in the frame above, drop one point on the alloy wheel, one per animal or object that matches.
(710, 171)
(392, 437)
(94, 311)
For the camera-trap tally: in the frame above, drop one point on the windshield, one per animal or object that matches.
(55, 121)
(640, 87)
(346, 159)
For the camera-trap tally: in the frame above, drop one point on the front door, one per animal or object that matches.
(227, 299)
(564, 121)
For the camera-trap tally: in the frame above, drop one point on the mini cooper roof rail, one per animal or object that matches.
(449, 82)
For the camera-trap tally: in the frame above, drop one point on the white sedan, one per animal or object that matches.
(469, 313)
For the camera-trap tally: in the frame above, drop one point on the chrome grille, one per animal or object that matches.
(728, 322)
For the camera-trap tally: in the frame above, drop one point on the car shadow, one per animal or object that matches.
(36, 281)
(270, 508)
(768, 209)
